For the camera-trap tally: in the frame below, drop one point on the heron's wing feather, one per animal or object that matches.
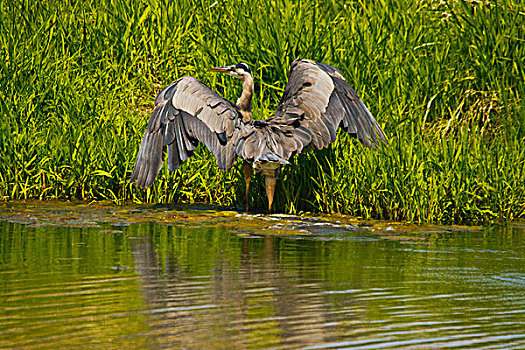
(195, 98)
(319, 97)
(186, 113)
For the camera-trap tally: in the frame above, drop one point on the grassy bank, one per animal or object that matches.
(445, 80)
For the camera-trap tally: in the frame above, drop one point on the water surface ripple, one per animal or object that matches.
(103, 281)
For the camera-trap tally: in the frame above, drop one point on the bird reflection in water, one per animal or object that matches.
(248, 301)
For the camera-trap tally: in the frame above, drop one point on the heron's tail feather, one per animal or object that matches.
(271, 157)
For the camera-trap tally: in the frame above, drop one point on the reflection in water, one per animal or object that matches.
(150, 286)
(208, 289)
(59, 289)
(247, 302)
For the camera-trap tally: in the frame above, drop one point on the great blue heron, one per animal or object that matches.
(317, 100)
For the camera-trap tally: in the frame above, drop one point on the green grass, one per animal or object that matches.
(444, 80)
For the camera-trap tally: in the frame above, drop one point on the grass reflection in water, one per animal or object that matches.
(149, 282)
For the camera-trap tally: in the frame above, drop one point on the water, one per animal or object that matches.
(76, 276)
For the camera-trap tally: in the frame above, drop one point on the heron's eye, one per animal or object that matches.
(244, 67)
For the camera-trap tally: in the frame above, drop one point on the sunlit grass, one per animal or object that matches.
(444, 79)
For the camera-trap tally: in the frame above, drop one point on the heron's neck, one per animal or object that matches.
(244, 103)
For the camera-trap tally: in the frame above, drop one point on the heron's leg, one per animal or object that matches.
(247, 177)
(270, 189)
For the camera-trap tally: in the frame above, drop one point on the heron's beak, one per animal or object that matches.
(222, 69)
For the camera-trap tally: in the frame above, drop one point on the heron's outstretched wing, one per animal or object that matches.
(318, 95)
(186, 112)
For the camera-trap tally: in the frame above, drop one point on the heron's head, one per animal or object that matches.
(239, 70)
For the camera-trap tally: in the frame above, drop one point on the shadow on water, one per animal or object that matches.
(107, 277)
